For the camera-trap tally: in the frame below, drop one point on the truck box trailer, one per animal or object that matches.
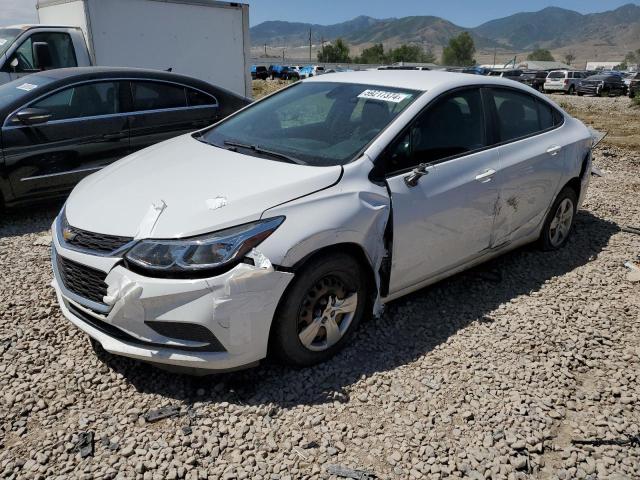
(205, 39)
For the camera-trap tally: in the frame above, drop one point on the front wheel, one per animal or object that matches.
(320, 310)
(559, 222)
(571, 90)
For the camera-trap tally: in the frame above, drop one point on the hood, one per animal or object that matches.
(196, 189)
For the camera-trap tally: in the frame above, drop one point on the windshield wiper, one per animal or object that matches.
(264, 151)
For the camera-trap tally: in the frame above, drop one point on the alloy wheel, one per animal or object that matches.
(326, 313)
(561, 223)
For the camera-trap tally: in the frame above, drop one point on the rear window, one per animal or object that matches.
(157, 96)
(557, 75)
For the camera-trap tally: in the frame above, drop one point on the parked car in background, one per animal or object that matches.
(289, 73)
(634, 85)
(534, 78)
(602, 85)
(259, 72)
(469, 70)
(565, 81)
(200, 252)
(311, 71)
(61, 125)
(510, 73)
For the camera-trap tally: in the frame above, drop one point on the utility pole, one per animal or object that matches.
(283, 50)
(309, 45)
(495, 50)
(265, 49)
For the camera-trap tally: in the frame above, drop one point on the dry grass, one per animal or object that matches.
(262, 88)
(619, 116)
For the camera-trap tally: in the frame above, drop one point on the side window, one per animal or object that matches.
(546, 116)
(452, 126)
(157, 96)
(196, 98)
(517, 114)
(88, 100)
(60, 46)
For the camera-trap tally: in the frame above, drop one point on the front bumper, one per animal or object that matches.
(589, 89)
(235, 308)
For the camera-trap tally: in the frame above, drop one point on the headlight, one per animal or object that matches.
(206, 252)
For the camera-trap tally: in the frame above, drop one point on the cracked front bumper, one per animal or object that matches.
(236, 308)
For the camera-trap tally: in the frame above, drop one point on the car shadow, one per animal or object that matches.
(36, 218)
(410, 328)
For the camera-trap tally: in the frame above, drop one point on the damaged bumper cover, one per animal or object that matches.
(217, 324)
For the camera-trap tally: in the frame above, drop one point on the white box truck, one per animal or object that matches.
(205, 39)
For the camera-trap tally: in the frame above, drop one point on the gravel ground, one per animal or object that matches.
(494, 373)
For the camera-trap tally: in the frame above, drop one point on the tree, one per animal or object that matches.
(569, 57)
(336, 53)
(410, 54)
(541, 54)
(460, 51)
(371, 55)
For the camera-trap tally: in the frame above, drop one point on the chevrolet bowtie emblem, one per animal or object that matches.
(68, 234)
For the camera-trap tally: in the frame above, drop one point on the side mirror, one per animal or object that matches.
(42, 55)
(33, 116)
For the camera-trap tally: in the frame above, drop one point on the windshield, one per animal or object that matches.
(19, 88)
(312, 123)
(7, 37)
(556, 75)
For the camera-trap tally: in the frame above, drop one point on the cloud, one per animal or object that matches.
(18, 11)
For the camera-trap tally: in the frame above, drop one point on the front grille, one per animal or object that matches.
(95, 242)
(84, 281)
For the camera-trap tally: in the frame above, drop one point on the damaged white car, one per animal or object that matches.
(278, 229)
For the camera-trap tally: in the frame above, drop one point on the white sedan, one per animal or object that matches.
(276, 231)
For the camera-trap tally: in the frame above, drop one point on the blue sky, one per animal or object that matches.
(467, 13)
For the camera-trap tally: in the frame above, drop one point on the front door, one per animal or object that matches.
(86, 131)
(25, 62)
(445, 217)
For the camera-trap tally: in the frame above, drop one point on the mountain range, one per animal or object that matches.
(552, 28)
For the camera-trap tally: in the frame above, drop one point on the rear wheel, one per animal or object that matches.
(559, 222)
(571, 90)
(320, 311)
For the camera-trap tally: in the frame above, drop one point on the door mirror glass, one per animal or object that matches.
(42, 55)
(33, 116)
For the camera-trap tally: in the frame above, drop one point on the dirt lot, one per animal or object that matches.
(495, 373)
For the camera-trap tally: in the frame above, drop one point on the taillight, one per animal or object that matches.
(566, 81)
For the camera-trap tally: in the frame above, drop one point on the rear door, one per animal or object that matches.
(445, 218)
(163, 110)
(530, 146)
(86, 131)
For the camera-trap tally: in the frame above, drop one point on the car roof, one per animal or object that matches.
(50, 80)
(419, 80)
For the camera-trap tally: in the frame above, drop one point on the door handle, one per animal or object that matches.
(553, 151)
(485, 177)
(114, 136)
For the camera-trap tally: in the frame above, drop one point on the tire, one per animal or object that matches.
(571, 90)
(306, 306)
(580, 94)
(559, 222)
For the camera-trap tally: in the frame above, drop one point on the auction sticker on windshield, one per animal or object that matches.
(393, 97)
(27, 87)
